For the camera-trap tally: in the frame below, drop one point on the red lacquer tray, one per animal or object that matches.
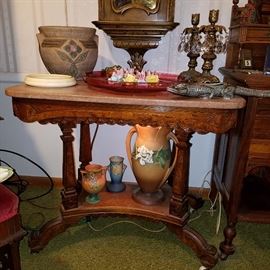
(98, 79)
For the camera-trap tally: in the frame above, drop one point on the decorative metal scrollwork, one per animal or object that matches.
(149, 6)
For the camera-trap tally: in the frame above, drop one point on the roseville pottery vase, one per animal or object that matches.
(151, 161)
(69, 50)
(116, 169)
(93, 181)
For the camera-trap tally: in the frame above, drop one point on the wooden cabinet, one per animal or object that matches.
(249, 30)
(242, 37)
(241, 166)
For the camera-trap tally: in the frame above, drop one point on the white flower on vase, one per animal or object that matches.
(144, 155)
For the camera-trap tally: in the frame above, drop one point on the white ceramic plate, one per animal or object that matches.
(49, 80)
(5, 173)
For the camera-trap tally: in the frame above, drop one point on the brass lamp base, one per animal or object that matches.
(209, 78)
(189, 76)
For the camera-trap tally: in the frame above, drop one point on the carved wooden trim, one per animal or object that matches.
(55, 112)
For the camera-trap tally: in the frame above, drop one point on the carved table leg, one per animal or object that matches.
(207, 254)
(179, 199)
(85, 155)
(226, 247)
(69, 193)
(38, 240)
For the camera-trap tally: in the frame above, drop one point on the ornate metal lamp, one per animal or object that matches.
(136, 25)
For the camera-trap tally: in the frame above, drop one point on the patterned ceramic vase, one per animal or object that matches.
(93, 181)
(116, 169)
(151, 161)
(68, 50)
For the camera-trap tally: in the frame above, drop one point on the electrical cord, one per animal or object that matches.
(95, 134)
(31, 161)
(38, 216)
(21, 184)
(211, 210)
(124, 221)
(37, 165)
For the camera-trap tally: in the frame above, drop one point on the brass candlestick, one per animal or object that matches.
(190, 43)
(214, 42)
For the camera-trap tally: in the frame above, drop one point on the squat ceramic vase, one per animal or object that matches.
(116, 169)
(69, 50)
(93, 181)
(151, 161)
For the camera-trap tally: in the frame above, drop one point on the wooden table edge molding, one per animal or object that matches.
(82, 93)
(81, 105)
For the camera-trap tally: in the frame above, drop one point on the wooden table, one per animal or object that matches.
(70, 106)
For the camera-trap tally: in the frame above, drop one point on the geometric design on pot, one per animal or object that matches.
(73, 49)
(53, 43)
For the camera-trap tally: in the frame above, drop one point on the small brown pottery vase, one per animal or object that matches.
(150, 161)
(69, 50)
(93, 181)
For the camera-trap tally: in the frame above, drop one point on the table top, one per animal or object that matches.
(83, 93)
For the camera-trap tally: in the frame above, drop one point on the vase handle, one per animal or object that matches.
(167, 174)
(128, 144)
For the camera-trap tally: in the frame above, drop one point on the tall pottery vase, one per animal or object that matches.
(70, 50)
(151, 161)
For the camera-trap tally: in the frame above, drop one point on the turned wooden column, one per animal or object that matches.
(179, 198)
(69, 192)
(85, 154)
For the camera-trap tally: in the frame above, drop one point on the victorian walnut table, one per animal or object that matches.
(81, 105)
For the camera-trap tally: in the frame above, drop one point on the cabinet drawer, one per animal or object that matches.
(261, 128)
(263, 107)
(250, 33)
(260, 148)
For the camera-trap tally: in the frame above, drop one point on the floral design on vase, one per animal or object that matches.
(93, 181)
(151, 161)
(146, 156)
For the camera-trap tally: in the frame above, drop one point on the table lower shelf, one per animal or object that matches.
(122, 203)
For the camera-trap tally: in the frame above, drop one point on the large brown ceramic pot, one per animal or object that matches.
(68, 50)
(151, 161)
